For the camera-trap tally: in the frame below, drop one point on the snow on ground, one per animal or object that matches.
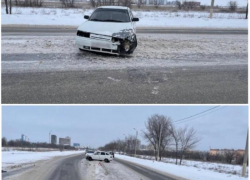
(74, 17)
(16, 158)
(197, 172)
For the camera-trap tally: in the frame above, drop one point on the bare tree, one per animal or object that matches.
(68, 3)
(188, 140)
(188, 5)
(229, 155)
(233, 5)
(140, 3)
(178, 4)
(158, 133)
(8, 6)
(4, 142)
(157, 3)
(176, 134)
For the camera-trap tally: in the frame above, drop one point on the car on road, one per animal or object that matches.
(109, 29)
(101, 156)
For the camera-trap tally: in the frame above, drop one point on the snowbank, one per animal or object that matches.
(14, 158)
(74, 17)
(190, 172)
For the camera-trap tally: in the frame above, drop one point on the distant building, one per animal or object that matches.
(65, 141)
(53, 139)
(224, 151)
(76, 145)
(22, 137)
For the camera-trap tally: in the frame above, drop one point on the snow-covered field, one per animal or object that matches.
(74, 17)
(12, 159)
(190, 169)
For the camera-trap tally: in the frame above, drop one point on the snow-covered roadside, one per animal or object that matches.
(189, 172)
(16, 158)
(74, 17)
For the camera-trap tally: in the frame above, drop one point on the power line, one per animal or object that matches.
(201, 115)
(197, 114)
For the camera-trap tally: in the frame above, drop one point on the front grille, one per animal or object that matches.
(83, 34)
(95, 48)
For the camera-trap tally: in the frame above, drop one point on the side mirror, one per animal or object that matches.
(135, 19)
(86, 17)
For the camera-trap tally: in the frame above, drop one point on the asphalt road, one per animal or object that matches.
(86, 78)
(73, 168)
(59, 31)
(67, 169)
(215, 84)
(146, 172)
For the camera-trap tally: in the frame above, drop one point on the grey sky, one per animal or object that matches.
(96, 125)
(222, 2)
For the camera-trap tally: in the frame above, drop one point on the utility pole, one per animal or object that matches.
(245, 158)
(159, 144)
(247, 12)
(125, 143)
(211, 9)
(49, 136)
(136, 140)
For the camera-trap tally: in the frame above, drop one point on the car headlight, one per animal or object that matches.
(126, 46)
(131, 38)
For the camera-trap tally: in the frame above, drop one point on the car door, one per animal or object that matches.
(102, 156)
(96, 156)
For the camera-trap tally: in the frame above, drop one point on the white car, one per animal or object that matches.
(101, 156)
(110, 29)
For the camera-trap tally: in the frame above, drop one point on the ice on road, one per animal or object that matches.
(59, 53)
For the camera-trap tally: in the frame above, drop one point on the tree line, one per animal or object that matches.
(169, 141)
(27, 144)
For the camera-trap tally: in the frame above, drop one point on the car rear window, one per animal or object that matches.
(110, 15)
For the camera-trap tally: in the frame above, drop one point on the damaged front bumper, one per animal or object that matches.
(121, 43)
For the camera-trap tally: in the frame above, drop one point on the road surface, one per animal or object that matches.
(78, 168)
(166, 68)
(56, 31)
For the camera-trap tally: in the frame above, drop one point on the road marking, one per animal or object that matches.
(113, 79)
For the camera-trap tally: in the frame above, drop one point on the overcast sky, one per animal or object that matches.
(221, 2)
(96, 125)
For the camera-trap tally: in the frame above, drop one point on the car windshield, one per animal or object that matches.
(110, 15)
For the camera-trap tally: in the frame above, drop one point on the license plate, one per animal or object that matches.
(101, 45)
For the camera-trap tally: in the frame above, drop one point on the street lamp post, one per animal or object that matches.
(136, 140)
(49, 136)
(125, 143)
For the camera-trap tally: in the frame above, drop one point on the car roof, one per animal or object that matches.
(114, 7)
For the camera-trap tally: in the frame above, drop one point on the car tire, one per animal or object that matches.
(106, 160)
(90, 159)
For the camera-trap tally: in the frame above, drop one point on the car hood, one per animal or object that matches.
(105, 28)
